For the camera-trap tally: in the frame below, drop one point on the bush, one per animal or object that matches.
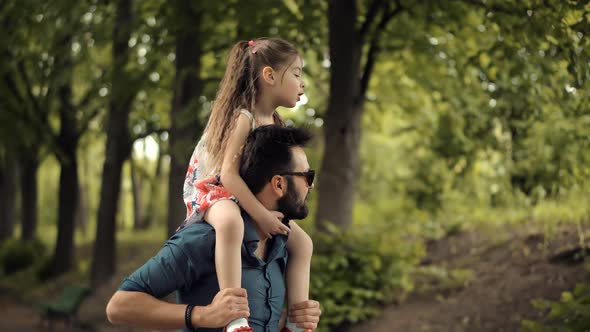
(43, 269)
(430, 278)
(570, 314)
(355, 272)
(16, 255)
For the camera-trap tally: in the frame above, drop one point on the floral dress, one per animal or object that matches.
(202, 186)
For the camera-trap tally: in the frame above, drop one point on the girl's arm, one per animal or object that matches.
(231, 180)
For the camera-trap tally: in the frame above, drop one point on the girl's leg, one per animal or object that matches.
(300, 247)
(225, 217)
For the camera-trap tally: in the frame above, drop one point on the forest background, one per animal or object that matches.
(430, 118)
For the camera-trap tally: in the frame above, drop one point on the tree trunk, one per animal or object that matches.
(152, 208)
(82, 211)
(69, 186)
(28, 178)
(340, 164)
(118, 148)
(136, 185)
(8, 189)
(63, 257)
(518, 179)
(185, 127)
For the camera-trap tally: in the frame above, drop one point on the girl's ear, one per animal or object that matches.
(268, 75)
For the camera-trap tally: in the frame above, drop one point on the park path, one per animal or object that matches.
(511, 268)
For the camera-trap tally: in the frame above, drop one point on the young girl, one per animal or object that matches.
(261, 75)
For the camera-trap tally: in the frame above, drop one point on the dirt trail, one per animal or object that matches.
(511, 268)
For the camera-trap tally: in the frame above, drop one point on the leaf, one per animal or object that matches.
(293, 8)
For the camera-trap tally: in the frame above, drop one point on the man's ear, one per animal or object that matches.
(278, 185)
(268, 75)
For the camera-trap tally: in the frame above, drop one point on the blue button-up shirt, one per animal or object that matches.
(186, 264)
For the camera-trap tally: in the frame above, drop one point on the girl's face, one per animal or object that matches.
(290, 84)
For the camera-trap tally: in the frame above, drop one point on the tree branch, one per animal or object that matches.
(29, 88)
(28, 119)
(374, 48)
(505, 10)
(11, 85)
(12, 112)
(136, 81)
(370, 17)
(148, 133)
(85, 123)
(91, 92)
(21, 111)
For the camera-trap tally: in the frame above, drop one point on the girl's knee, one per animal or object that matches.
(302, 244)
(230, 227)
(227, 221)
(307, 245)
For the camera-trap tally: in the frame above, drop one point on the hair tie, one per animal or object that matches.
(251, 43)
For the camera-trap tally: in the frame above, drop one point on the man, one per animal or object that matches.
(275, 168)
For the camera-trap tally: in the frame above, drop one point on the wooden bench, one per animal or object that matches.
(66, 308)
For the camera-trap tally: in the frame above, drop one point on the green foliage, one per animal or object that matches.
(356, 271)
(477, 112)
(439, 279)
(43, 269)
(570, 314)
(460, 112)
(17, 255)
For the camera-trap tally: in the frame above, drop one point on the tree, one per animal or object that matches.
(118, 146)
(139, 218)
(500, 44)
(8, 188)
(74, 114)
(39, 84)
(349, 81)
(124, 127)
(26, 109)
(69, 186)
(185, 127)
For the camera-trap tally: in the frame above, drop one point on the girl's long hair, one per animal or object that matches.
(238, 88)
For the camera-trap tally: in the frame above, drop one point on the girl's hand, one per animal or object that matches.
(271, 224)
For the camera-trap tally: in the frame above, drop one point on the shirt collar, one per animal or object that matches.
(250, 233)
(274, 246)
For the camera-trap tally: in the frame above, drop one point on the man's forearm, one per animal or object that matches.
(143, 310)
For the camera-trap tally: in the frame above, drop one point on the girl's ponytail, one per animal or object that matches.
(238, 88)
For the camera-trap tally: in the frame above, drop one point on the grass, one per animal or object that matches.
(133, 248)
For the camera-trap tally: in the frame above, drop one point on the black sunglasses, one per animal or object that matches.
(309, 175)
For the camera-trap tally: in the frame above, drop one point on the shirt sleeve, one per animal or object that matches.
(182, 261)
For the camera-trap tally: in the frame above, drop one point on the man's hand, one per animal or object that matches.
(306, 314)
(227, 305)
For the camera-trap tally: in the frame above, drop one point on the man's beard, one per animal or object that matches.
(290, 204)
